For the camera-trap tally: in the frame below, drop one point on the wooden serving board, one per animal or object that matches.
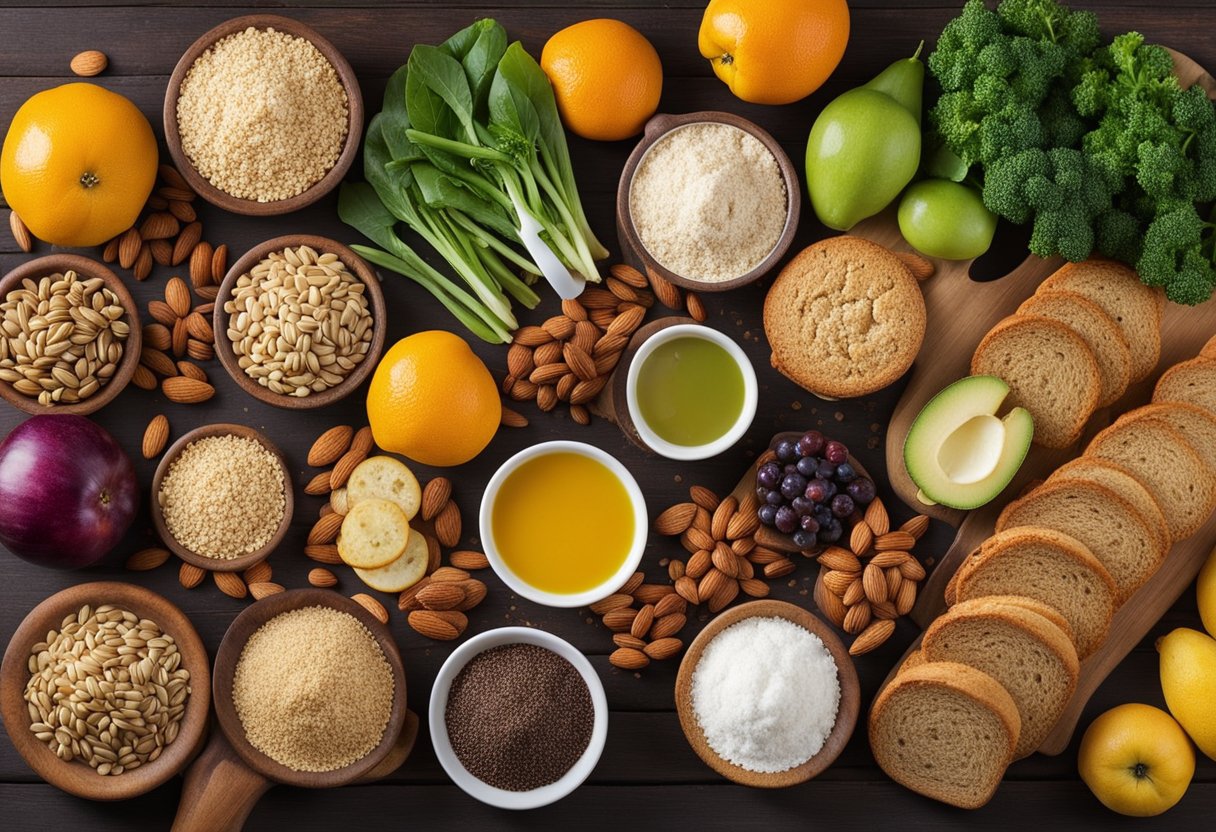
(960, 311)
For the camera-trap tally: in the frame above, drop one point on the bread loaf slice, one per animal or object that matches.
(1191, 381)
(1050, 567)
(1032, 658)
(946, 731)
(1168, 466)
(913, 659)
(1117, 289)
(1108, 525)
(1196, 425)
(1050, 372)
(1097, 329)
(1119, 480)
(1209, 349)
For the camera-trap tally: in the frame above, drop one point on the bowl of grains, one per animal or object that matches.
(69, 335)
(707, 200)
(222, 497)
(518, 717)
(299, 321)
(767, 695)
(263, 115)
(105, 690)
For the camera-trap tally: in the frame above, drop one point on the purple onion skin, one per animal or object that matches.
(68, 491)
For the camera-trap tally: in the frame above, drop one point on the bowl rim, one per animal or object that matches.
(552, 599)
(375, 297)
(88, 268)
(14, 673)
(461, 776)
(846, 712)
(158, 515)
(656, 129)
(354, 105)
(747, 413)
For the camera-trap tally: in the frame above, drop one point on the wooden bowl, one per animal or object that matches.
(86, 268)
(357, 267)
(846, 714)
(354, 105)
(631, 242)
(75, 777)
(158, 515)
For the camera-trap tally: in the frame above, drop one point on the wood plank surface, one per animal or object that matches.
(648, 775)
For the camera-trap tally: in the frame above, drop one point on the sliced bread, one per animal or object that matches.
(1050, 372)
(1050, 567)
(1109, 526)
(1167, 465)
(914, 659)
(1191, 381)
(1196, 425)
(1119, 480)
(844, 318)
(1097, 329)
(946, 731)
(1209, 349)
(1032, 658)
(1136, 308)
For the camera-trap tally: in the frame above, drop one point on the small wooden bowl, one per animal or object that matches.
(89, 269)
(357, 267)
(631, 242)
(75, 777)
(354, 106)
(158, 515)
(846, 713)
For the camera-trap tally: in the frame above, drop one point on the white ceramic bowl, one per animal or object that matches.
(443, 747)
(551, 599)
(746, 414)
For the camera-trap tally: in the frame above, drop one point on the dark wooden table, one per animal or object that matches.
(648, 777)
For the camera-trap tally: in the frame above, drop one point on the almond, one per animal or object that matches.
(839, 559)
(743, 546)
(675, 520)
(435, 496)
(721, 517)
(605, 364)
(779, 568)
(264, 589)
(146, 559)
(434, 555)
(724, 560)
(696, 309)
(754, 587)
(652, 593)
(582, 364)
(172, 192)
(549, 353)
(626, 640)
(912, 570)
(703, 497)
(625, 323)
(322, 577)
(159, 226)
(700, 563)
(179, 337)
(713, 581)
(258, 572)
(611, 343)
(177, 295)
(89, 63)
(449, 573)
(761, 555)
(917, 526)
(594, 298)
(532, 336)
(886, 610)
(329, 446)
(200, 264)
(675, 569)
(724, 596)
(230, 584)
(519, 360)
(108, 254)
(631, 586)
(325, 530)
(129, 246)
(440, 625)
(469, 560)
(344, 466)
(616, 601)
(892, 557)
(574, 310)
(371, 605)
(663, 648)
(339, 500)
(548, 373)
(186, 241)
(876, 518)
(318, 485)
(408, 599)
(642, 621)
(831, 606)
(686, 588)
(143, 378)
(898, 540)
(183, 211)
(620, 621)
(857, 618)
(586, 336)
(512, 419)
(156, 434)
(324, 552)
(906, 599)
(855, 592)
(200, 350)
(186, 390)
(161, 250)
(629, 275)
(559, 326)
(585, 391)
(860, 539)
(157, 361)
(743, 524)
(621, 289)
(670, 605)
(447, 525)
(444, 595)
(874, 582)
(474, 593)
(698, 539)
(664, 290)
(219, 263)
(872, 637)
(21, 234)
(627, 658)
(157, 336)
(190, 576)
(162, 313)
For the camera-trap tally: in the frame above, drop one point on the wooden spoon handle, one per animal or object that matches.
(219, 791)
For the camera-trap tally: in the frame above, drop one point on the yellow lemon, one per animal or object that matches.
(1137, 760)
(1205, 593)
(1188, 679)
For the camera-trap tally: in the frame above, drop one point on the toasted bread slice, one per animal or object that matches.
(1097, 329)
(385, 478)
(1119, 480)
(1196, 425)
(402, 573)
(373, 535)
(1191, 381)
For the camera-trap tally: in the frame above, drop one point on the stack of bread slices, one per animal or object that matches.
(995, 671)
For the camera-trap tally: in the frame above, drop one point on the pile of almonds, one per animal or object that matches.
(254, 582)
(180, 330)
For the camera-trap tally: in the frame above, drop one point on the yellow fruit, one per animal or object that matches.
(774, 51)
(1188, 679)
(78, 164)
(607, 78)
(1205, 593)
(1136, 760)
(433, 400)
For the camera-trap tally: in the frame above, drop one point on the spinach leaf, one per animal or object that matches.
(437, 72)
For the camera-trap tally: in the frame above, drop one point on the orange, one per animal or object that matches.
(606, 76)
(78, 164)
(774, 51)
(433, 400)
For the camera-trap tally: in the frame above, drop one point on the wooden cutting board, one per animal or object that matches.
(960, 312)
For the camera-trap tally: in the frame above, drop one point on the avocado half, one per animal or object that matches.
(958, 452)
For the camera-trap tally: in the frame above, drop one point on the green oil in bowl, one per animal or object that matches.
(690, 391)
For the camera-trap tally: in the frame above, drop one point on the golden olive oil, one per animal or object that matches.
(563, 522)
(690, 391)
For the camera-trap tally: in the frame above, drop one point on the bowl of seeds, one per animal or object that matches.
(105, 690)
(222, 497)
(69, 335)
(300, 321)
(263, 115)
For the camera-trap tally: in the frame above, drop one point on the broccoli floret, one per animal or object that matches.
(1117, 235)
(1047, 20)
(1009, 130)
(955, 62)
(1062, 127)
(1178, 254)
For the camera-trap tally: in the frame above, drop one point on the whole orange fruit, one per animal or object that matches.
(433, 400)
(774, 51)
(606, 76)
(78, 164)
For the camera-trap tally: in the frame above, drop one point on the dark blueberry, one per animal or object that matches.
(825, 470)
(793, 485)
(845, 473)
(787, 451)
(767, 514)
(786, 520)
(807, 466)
(823, 514)
(769, 475)
(762, 493)
(817, 490)
(774, 498)
(808, 523)
(833, 489)
(805, 540)
(842, 505)
(811, 443)
(831, 532)
(861, 490)
(835, 452)
(802, 506)
(789, 468)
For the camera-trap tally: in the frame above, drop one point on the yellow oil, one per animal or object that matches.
(563, 522)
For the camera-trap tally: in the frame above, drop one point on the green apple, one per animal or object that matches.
(946, 219)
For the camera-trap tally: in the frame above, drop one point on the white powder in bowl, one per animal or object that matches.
(765, 693)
